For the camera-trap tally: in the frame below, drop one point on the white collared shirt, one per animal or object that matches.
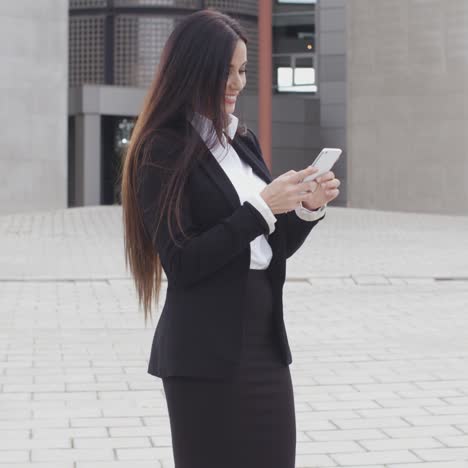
(248, 186)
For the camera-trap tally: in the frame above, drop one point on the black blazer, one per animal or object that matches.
(199, 330)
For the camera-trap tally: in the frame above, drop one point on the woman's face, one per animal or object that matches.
(237, 76)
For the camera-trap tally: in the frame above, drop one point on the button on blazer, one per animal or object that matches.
(199, 330)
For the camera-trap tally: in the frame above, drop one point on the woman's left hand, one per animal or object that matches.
(323, 190)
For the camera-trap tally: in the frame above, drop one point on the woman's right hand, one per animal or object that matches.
(283, 194)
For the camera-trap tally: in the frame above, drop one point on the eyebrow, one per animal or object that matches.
(230, 66)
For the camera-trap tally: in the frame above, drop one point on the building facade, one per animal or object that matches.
(114, 48)
(393, 93)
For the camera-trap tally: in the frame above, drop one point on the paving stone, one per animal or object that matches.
(371, 458)
(121, 464)
(400, 444)
(445, 464)
(55, 455)
(61, 464)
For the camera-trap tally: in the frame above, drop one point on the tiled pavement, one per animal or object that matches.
(376, 307)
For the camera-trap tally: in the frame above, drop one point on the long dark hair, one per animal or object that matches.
(191, 77)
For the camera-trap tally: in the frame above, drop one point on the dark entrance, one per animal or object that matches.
(115, 136)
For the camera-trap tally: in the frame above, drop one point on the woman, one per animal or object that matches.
(199, 203)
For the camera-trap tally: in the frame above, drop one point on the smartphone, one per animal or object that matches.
(324, 161)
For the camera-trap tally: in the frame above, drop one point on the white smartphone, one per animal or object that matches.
(324, 161)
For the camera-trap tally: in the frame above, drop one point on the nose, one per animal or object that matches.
(236, 85)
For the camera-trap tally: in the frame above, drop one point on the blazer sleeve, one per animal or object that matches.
(205, 252)
(297, 229)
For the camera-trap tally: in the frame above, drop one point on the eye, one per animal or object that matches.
(240, 71)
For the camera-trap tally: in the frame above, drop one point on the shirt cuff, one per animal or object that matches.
(261, 205)
(310, 215)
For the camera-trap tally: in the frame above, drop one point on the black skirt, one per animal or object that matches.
(247, 421)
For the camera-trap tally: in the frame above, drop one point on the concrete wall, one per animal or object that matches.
(331, 46)
(407, 115)
(33, 111)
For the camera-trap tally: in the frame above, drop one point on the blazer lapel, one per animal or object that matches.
(217, 175)
(250, 158)
(220, 178)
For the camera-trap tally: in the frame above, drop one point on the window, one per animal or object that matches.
(295, 72)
